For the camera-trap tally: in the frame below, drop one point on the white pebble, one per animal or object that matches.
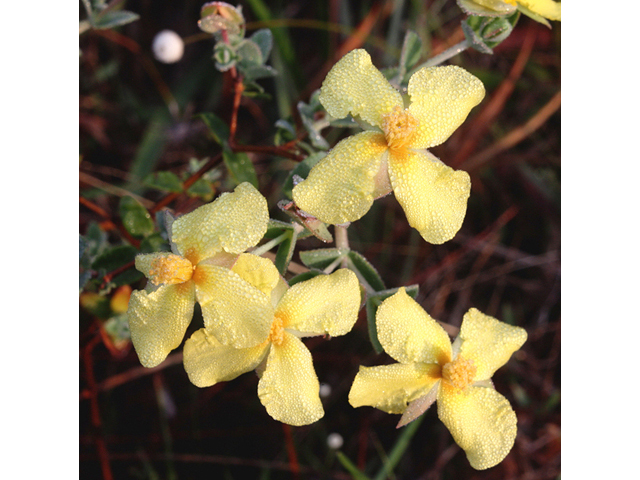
(167, 46)
(335, 441)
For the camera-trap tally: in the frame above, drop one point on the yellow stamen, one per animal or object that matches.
(276, 335)
(511, 2)
(399, 127)
(459, 373)
(171, 269)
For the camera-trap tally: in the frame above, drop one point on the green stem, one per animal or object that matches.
(262, 249)
(342, 241)
(444, 56)
(399, 448)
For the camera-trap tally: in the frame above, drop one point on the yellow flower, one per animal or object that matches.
(288, 386)
(205, 244)
(342, 187)
(539, 8)
(458, 376)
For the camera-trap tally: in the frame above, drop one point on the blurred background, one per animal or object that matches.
(139, 116)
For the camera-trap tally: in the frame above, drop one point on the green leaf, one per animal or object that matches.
(240, 167)
(304, 276)
(164, 181)
(249, 54)
(114, 258)
(154, 243)
(83, 246)
(117, 328)
(224, 56)
(285, 251)
(307, 114)
(135, 218)
(114, 18)
(263, 38)
(255, 72)
(350, 467)
(218, 129)
(201, 188)
(485, 33)
(411, 53)
(321, 258)
(367, 271)
(301, 170)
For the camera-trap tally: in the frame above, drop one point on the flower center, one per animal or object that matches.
(399, 127)
(171, 269)
(459, 373)
(276, 335)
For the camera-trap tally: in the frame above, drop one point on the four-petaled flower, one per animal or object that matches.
(537, 9)
(458, 376)
(205, 243)
(261, 330)
(342, 186)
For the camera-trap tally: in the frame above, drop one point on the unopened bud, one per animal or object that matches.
(167, 46)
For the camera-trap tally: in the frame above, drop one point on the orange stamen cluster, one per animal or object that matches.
(399, 127)
(171, 270)
(459, 373)
(276, 335)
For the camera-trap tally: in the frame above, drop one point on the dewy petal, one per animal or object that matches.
(234, 311)
(432, 194)
(481, 421)
(408, 334)
(441, 99)
(488, 342)
(289, 388)
(545, 8)
(341, 187)
(390, 388)
(355, 86)
(258, 271)
(233, 222)
(208, 362)
(325, 304)
(159, 320)
(143, 261)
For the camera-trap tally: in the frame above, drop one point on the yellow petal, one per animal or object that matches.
(409, 334)
(233, 222)
(289, 388)
(545, 8)
(159, 320)
(433, 195)
(481, 421)
(441, 99)
(391, 387)
(208, 362)
(488, 342)
(341, 187)
(355, 86)
(326, 304)
(234, 311)
(258, 271)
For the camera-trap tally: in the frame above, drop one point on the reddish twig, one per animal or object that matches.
(454, 256)
(109, 276)
(497, 101)
(291, 451)
(187, 183)
(101, 446)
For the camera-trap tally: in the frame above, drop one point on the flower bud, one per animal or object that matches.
(218, 16)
